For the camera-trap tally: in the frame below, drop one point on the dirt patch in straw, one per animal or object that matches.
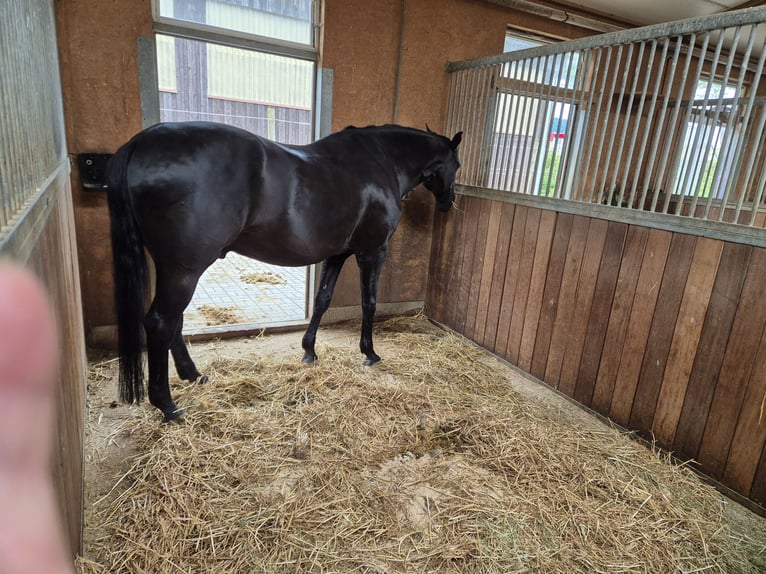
(428, 462)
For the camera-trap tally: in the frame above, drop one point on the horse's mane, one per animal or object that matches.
(394, 128)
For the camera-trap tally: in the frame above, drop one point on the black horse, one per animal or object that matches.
(191, 192)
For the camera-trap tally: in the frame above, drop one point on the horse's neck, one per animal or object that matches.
(411, 160)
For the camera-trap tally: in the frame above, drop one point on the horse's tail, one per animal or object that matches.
(130, 284)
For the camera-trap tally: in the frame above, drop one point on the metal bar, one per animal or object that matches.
(546, 100)
(472, 121)
(741, 143)
(631, 149)
(620, 147)
(564, 64)
(660, 124)
(714, 127)
(534, 149)
(591, 119)
(758, 138)
(459, 116)
(506, 134)
(580, 67)
(648, 128)
(235, 39)
(677, 181)
(592, 195)
(759, 190)
(524, 109)
(678, 28)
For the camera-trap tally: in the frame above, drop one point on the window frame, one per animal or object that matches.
(238, 39)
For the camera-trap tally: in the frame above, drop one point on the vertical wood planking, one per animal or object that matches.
(598, 321)
(710, 351)
(661, 333)
(758, 491)
(500, 262)
(487, 271)
(511, 279)
(457, 254)
(622, 304)
(586, 288)
(436, 267)
(543, 247)
(565, 307)
(550, 298)
(475, 268)
(468, 247)
(736, 370)
(686, 335)
(531, 230)
(742, 463)
(639, 324)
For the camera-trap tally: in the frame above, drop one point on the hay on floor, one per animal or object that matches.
(428, 462)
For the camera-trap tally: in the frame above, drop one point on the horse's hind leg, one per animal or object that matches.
(369, 272)
(185, 367)
(162, 323)
(330, 271)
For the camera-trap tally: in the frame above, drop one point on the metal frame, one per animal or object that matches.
(635, 92)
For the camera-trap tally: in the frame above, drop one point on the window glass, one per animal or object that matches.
(286, 20)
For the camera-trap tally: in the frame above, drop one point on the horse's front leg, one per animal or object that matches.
(369, 272)
(330, 271)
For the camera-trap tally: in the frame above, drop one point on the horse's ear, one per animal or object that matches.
(456, 140)
(429, 130)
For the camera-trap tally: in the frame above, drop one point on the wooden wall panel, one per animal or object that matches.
(619, 316)
(499, 275)
(511, 279)
(737, 368)
(710, 352)
(536, 284)
(586, 287)
(526, 266)
(639, 323)
(565, 306)
(606, 284)
(662, 332)
(54, 260)
(683, 347)
(487, 271)
(476, 271)
(551, 293)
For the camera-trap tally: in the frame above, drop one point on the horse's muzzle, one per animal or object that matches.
(445, 206)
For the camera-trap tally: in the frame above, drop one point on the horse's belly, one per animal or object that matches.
(279, 249)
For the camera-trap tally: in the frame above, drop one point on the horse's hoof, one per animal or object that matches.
(176, 416)
(309, 358)
(203, 380)
(370, 361)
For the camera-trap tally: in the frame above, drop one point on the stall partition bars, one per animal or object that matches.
(668, 119)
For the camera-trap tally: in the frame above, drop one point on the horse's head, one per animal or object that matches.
(439, 175)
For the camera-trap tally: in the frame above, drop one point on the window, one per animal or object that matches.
(251, 64)
(534, 123)
(262, 91)
(281, 21)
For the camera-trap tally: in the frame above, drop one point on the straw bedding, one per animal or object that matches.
(428, 462)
